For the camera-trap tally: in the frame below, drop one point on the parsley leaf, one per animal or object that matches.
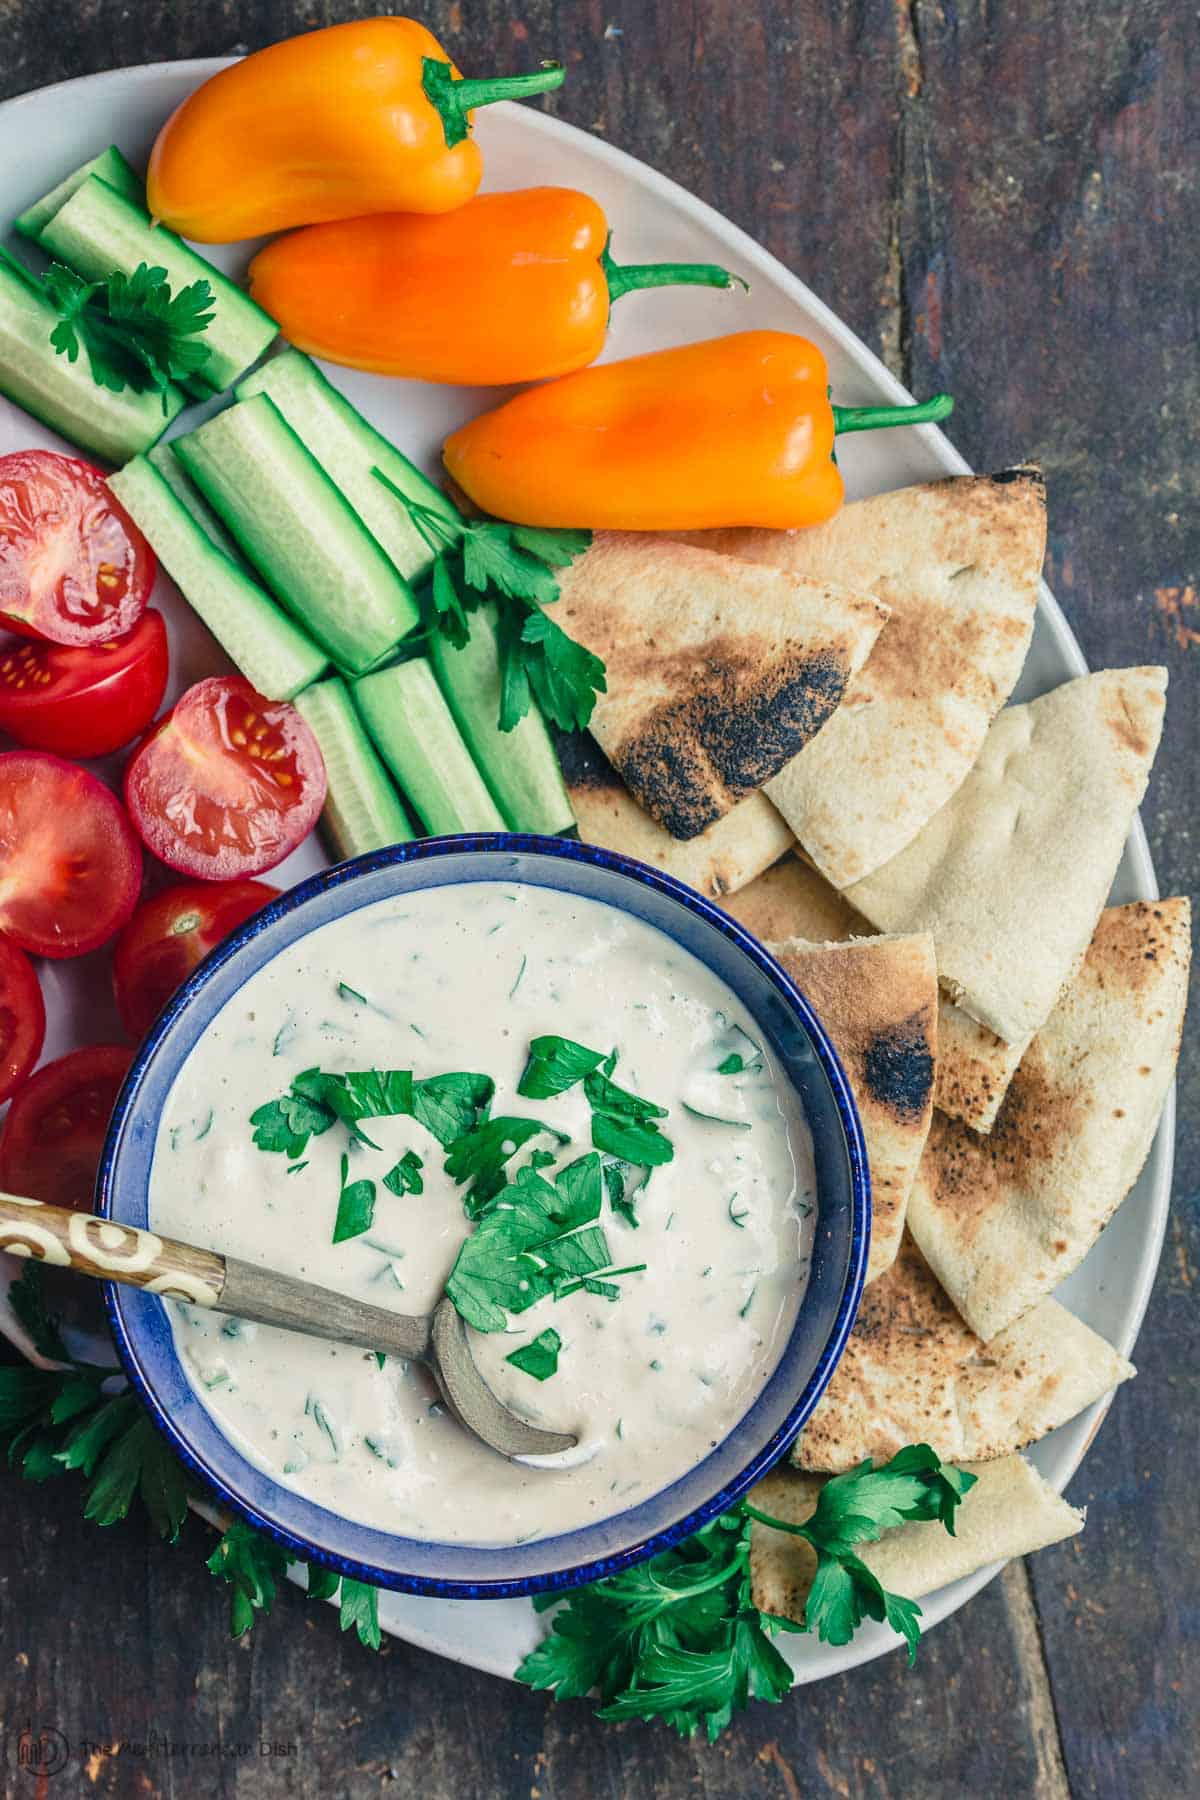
(491, 559)
(450, 617)
(252, 1564)
(405, 1177)
(360, 1611)
(286, 1125)
(452, 1105)
(539, 1357)
(733, 1064)
(135, 332)
(554, 1065)
(356, 1207)
(623, 1124)
(27, 1299)
(484, 1152)
(564, 675)
(556, 545)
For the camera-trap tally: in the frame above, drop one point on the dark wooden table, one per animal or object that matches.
(1002, 200)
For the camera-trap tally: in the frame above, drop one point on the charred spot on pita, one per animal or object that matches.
(898, 1065)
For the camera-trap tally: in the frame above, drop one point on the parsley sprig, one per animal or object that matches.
(134, 331)
(512, 565)
(58, 1421)
(679, 1637)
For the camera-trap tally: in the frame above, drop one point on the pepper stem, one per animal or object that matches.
(624, 278)
(454, 100)
(874, 418)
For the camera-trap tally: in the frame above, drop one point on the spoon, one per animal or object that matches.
(111, 1252)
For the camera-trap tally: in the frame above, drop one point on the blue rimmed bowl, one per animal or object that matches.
(839, 1258)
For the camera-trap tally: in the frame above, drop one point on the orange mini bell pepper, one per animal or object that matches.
(737, 430)
(365, 117)
(510, 287)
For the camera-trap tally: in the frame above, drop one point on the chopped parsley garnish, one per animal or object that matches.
(624, 1125)
(286, 1125)
(537, 1238)
(513, 566)
(405, 1176)
(317, 1413)
(356, 1206)
(483, 1153)
(737, 1218)
(715, 1118)
(135, 333)
(520, 977)
(679, 1637)
(539, 1357)
(556, 1064)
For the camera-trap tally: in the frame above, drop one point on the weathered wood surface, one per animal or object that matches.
(1004, 201)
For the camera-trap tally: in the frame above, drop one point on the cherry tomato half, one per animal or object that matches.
(228, 784)
(74, 567)
(22, 1018)
(70, 865)
(52, 1138)
(81, 701)
(169, 935)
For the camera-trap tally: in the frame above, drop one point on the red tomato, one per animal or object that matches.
(22, 1018)
(83, 701)
(228, 784)
(168, 935)
(74, 567)
(54, 1133)
(70, 866)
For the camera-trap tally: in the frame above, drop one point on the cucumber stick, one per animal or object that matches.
(299, 532)
(164, 459)
(62, 393)
(98, 230)
(271, 652)
(349, 450)
(414, 732)
(110, 166)
(362, 808)
(519, 766)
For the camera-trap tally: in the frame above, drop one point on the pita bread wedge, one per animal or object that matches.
(914, 1373)
(722, 859)
(792, 900)
(718, 671)
(1011, 1511)
(974, 1066)
(1003, 1219)
(878, 1000)
(958, 562)
(1012, 874)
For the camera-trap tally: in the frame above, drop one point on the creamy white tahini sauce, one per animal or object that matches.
(463, 978)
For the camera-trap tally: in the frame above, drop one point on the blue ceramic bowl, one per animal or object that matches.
(143, 1333)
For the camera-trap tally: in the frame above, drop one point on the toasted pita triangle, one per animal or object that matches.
(877, 998)
(914, 1373)
(718, 671)
(958, 562)
(1003, 1219)
(722, 859)
(1011, 875)
(1010, 1511)
(974, 1066)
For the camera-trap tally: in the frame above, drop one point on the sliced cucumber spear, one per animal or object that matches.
(97, 230)
(299, 532)
(350, 450)
(61, 393)
(110, 166)
(519, 766)
(414, 731)
(273, 654)
(362, 808)
(164, 459)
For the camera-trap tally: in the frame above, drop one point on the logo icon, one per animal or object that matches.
(40, 1752)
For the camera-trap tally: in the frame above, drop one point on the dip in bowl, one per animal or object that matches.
(566, 1030)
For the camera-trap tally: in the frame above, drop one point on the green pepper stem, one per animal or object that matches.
(874, 418)
(454, 100)
(625, 278)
